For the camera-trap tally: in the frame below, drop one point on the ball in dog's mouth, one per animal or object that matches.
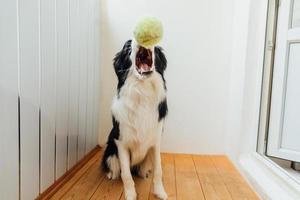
(144, 61)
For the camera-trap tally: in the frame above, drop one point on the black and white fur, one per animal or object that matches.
(138, 111)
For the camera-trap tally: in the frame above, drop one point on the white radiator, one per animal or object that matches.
(49, 94)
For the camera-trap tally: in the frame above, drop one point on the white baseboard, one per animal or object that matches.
(268, 180)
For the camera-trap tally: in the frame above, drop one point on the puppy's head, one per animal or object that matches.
(139, 61)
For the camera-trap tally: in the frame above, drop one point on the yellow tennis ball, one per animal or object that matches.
(148, 32)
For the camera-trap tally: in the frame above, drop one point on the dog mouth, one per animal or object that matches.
(144, 61)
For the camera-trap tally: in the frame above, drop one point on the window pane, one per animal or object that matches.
(296, 14)
(291, 126)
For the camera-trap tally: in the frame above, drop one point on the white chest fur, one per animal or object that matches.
(136, 109)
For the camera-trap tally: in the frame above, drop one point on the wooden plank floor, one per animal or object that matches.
(186, 177)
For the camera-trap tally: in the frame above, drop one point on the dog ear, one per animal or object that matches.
(160, 60)
(122, 59)
(122, 63)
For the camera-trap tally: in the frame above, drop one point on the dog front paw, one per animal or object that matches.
(159, 191)
(130, 195)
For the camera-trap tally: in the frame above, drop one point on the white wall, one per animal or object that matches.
(237, 76)
(253, 70)
(198, 45)
(247, 67)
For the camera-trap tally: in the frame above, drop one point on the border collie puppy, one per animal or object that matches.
(138, 112)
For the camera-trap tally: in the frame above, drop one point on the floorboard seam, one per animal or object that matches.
(103, 177)
(198, 177)
(86, 171)
(221, 175)
(173, 158)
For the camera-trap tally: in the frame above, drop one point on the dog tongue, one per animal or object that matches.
(144, 68)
